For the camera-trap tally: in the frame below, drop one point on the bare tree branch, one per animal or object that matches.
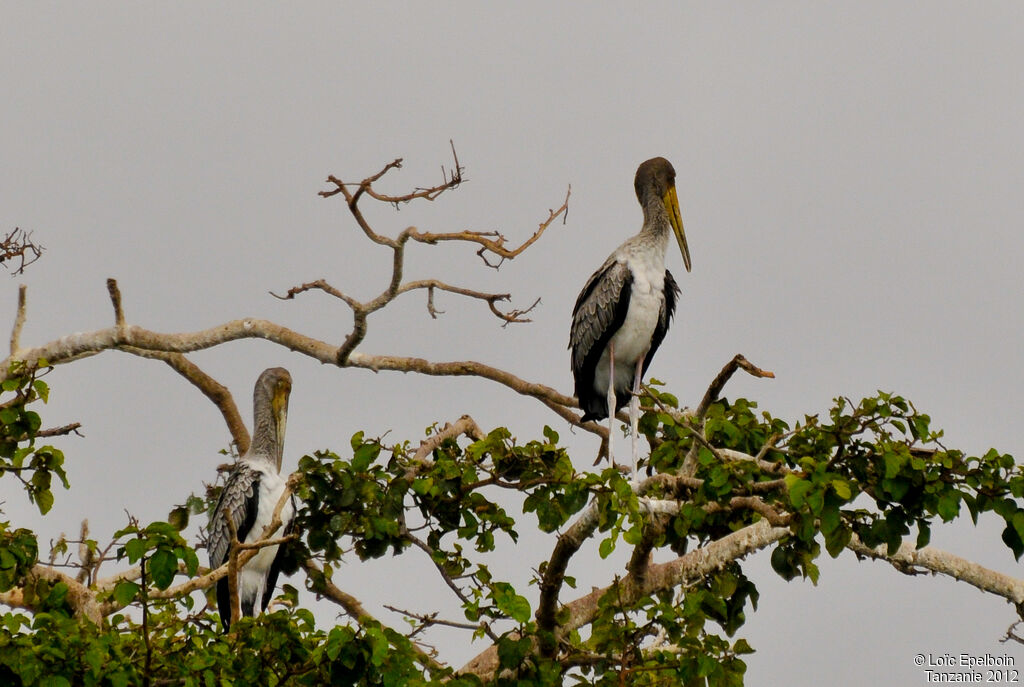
(489, 242)
(18, 245)
(143, 342)
(721, 379)
(494, 242)
(60, 431)
(451, 181)
(907, 559)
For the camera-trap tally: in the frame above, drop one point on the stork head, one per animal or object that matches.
(656, 178)
(270, 405)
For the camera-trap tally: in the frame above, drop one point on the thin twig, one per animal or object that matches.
(428, 619)
(493, 242)
(18, 244)
(60, 431)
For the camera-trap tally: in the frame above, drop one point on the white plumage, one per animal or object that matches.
(252, 580)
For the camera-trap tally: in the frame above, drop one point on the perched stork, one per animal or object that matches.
(249, 498)
(623, 312)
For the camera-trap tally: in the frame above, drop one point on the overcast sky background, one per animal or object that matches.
(850, 177)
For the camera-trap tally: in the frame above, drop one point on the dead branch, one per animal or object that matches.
(60, 431)
(115, 300)
(908, 560)
(143, 342)
(439, 565)
(451, 180)
(86, 554)
(425, 620)
(494, 242)
(513, 316)
(318, 285)
(18, 245)
(1011, 635)
(720, 380)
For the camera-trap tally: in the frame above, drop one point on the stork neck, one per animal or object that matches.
(264, 442)
(655, 217)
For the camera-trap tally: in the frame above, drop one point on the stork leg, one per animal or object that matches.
(611, 401)
(634, 414)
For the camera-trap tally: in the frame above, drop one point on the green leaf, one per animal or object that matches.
(42, 390)
(135, 548)
(44, 500)
(551, 435)
(782, 563)
(842, 489)
(163, 565)
(797, 488)
(422, 485)
(948, 506)
(510, 603)
(924, 534)
(512, 652)
(125, 592)
(178, 517)
(893, 463)
(1017, 520)
(1013, 540)
(364, 456)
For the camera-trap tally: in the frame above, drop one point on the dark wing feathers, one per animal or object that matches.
(224, 602)
(240, 498)
(668, 309)
(599, 312)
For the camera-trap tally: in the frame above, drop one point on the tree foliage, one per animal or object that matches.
(873, 472)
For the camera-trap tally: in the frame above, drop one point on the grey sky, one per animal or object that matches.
(850, 179)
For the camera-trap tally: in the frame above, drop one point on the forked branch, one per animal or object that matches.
(18, 250)
(489, 242)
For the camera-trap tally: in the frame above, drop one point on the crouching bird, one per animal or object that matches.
(249, 497)
(624, 310)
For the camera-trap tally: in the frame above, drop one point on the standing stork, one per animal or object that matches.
(623, 312)
(249, 498)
